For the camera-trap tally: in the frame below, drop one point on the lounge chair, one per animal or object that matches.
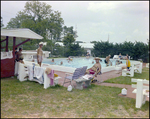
(76, 75)
(83, 70)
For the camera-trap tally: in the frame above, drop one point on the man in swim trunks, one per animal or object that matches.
(40, 53)
(95, 69)
(87, 55)
(107, 60)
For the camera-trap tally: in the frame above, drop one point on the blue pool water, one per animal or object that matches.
(79, 62)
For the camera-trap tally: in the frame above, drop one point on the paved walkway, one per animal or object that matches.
(101, 78)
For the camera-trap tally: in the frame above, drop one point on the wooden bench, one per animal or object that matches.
(138, 68)
(130, 73)
(140, 91)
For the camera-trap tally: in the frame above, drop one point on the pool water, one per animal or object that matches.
(79, 62)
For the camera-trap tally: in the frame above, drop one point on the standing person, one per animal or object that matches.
(107, 60)
(87, 55)
(120, 56)
(40, 53)
(20, 56)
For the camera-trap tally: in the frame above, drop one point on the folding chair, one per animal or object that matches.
(83, 70)
(71, 77)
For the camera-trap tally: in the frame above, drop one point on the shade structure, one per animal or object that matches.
(8, 64)
(24, 33)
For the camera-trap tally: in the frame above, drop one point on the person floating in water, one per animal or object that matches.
(107, 60)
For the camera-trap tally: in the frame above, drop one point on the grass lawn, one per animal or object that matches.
(127, 79)
(30, 99)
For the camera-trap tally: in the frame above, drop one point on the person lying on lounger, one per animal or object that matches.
(96, 68)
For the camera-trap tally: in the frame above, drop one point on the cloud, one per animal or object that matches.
(102, 6)
(136, 31)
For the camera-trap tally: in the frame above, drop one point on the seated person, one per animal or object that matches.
(20, 56)
(117, 62)
(95, 69)
(128, 64)
(120, 62)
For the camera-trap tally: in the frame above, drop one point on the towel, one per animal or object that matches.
(38, 73)
(51, 76)
(30, 72)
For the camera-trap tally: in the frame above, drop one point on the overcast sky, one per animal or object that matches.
(94, 20)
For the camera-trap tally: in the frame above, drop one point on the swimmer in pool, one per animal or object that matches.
(52, 62)
(61, 63)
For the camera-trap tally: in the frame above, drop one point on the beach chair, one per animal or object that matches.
(71, 77)
(130, 73)
(83, 70)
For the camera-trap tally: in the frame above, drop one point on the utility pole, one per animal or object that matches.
(108, 37)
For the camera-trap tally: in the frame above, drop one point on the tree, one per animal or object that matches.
(74, 50)
(69, 30)
(39, 17)
(68, 39)
(137, 50)
(93, 42)
(2, 22)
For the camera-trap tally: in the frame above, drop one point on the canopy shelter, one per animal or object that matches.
(8, 64)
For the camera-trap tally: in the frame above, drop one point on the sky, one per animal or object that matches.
(117, 21)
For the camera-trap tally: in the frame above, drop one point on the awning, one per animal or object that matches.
(24, 33)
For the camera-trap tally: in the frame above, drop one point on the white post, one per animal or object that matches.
(139, 93)
(132, 71)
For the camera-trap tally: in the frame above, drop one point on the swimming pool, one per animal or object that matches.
(79, 62)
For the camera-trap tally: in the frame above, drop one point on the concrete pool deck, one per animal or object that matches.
(103, 77)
